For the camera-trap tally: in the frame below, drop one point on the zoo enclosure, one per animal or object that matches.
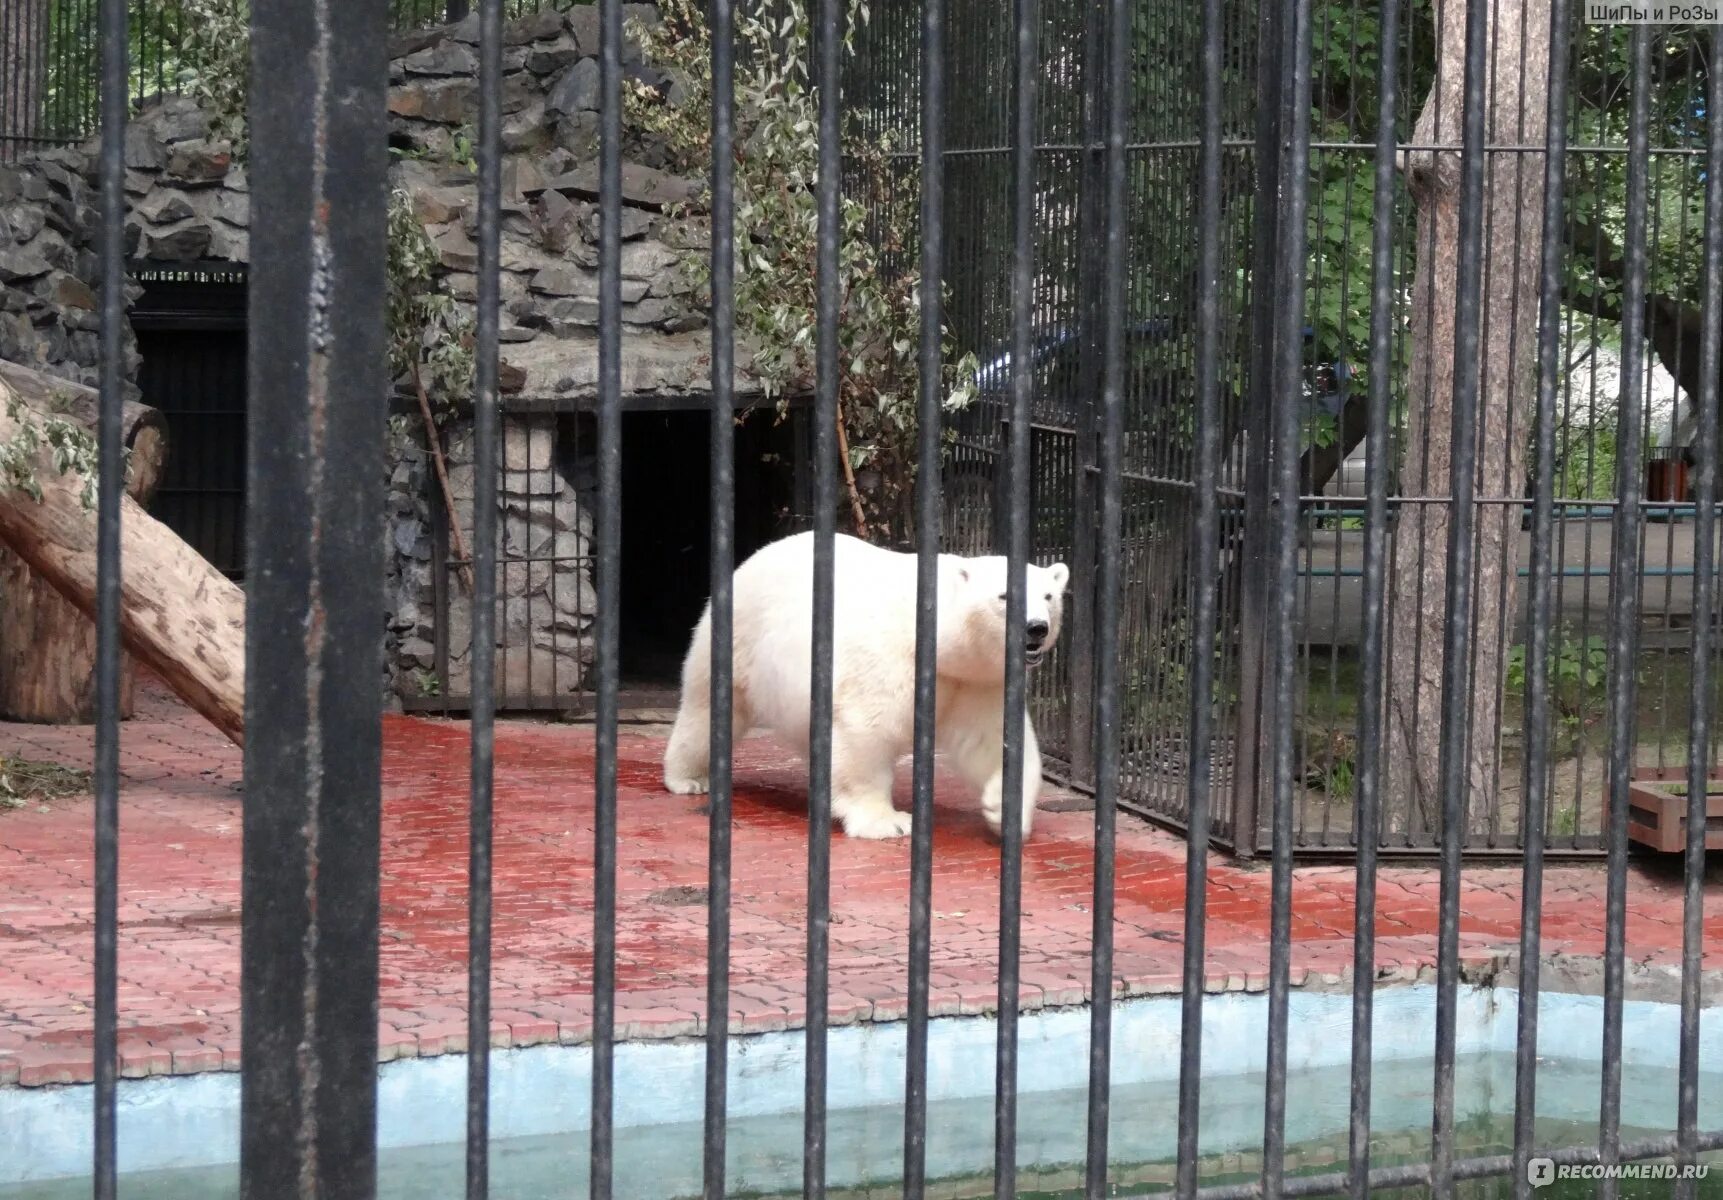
(312, 755)
(53, 99)
(1613, 401)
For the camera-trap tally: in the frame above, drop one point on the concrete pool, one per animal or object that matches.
(179, 1135)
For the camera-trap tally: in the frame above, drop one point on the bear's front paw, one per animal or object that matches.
(684, 786)
(995, 817)
(889, 823)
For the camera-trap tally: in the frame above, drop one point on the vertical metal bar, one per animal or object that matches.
(1457, 636)
(1540, 601)
(484, 610)
(1204, 585)
(828, 44)
(609, 591)
(1624, 598)
(1024, 93)
(929, 518)
(11, 90)
(1704, 607)
(1288, 361)
(314, 587)
(1250, 778)
(30, 34)
(722, 27)
(110, 486)
(1367, 825)
(1117, 44)
(1087, 377)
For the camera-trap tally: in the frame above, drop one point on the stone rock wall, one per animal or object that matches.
(549, 327)
(188, 199)
(189, 202)
(50, 273)
(550, 224)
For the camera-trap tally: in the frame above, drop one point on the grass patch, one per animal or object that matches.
(24, 782)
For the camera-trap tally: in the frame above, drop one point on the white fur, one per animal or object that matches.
(873, 690)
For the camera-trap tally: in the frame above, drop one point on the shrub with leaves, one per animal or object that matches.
(430, 335)
(1578, 682)
(71, 447)
(777, 229)
(215, 63)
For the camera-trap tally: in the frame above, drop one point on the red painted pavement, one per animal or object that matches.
(180, 929)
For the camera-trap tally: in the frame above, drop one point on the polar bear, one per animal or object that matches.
(873, 687)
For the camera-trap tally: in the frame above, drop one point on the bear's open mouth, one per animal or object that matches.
(1034, 657)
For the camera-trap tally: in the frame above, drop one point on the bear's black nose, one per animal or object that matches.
(1037, 631)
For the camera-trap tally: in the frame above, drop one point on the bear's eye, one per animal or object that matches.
(1002, 595)
(1048, 597)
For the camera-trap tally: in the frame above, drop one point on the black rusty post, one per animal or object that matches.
(314, 663)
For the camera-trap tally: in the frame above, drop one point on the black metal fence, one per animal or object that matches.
(1334, 611)
(190, 325)
(318, 397)
(1338, 615)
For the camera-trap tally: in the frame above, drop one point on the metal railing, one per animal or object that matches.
(311, 871)
(1336, 605)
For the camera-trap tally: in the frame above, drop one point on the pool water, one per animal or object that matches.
(865, 1145)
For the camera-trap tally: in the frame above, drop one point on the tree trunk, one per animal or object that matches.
(178, 614)
(48, 647)
(23, 54)
(1516, 96)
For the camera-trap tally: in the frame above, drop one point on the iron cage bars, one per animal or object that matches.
(312, 760)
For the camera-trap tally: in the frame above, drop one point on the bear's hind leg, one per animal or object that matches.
(687, 756)
(862, 770)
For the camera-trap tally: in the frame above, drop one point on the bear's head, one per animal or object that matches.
(972, 619)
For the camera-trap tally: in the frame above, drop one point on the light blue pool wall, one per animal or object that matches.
(192, 1121)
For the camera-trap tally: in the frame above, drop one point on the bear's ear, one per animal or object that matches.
(1061, 574)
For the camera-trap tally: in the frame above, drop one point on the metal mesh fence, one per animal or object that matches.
(48, 95)
(1338, 191)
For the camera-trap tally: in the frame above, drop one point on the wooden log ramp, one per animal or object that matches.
(179, 616)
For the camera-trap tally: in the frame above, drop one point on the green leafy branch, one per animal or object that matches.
(70, 446)
(776, 172)
(1578, 678)
(430, 341)
(215, 64)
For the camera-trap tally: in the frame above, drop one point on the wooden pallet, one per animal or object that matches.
(1657, 811)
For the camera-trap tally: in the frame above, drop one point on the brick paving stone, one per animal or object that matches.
(180, 825)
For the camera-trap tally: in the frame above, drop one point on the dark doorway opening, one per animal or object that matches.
(190, 326)
(666, 525)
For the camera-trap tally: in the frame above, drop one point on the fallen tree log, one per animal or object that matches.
(179, 615)
(48, 647)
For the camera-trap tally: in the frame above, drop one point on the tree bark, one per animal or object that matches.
(178, 614)
(1516, 114)
(48, 647)
(23, 50)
